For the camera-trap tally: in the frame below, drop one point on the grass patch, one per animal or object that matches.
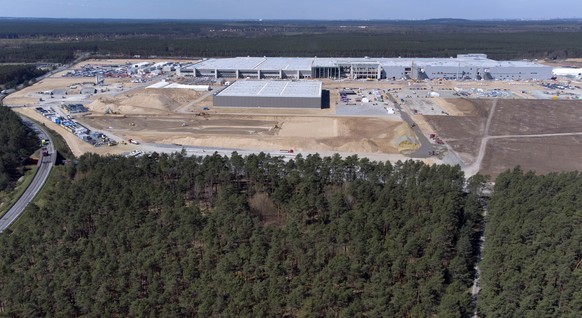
(57, 173)
(41, 200)
(8, 198)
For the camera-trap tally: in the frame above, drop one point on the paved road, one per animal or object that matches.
(426, 147)
(40, 178)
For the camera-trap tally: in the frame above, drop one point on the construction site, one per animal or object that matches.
(146, 106)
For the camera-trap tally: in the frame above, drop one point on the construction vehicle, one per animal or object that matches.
(44, 153)
(131, 141)
(203, 114)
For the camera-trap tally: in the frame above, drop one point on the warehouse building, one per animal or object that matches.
(463, 67)
(271, 93)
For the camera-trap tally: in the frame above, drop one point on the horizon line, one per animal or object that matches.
(295, 19)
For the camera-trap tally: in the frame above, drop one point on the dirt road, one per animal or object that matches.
(476, 166)
(473, 169)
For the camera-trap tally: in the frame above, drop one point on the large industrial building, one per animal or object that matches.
(463, 67)
(265, 93)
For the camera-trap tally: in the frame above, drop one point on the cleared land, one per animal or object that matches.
(77, 146)
(31, 95)
(543, 155)
(515, 118)
(145, 101)
(463, 133)
(259, 132)
(527, 117)
(123, 110)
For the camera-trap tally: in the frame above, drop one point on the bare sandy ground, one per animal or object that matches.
(573, 62)
(30, 95)
(259, 132)
(145, 101)
(77, 146)
(175, 117)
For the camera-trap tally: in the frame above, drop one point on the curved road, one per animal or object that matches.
(45, 166)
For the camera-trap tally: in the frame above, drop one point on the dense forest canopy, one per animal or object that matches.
(17, 143)
(170, 235)
(38, 27)
(532, 265)
(58, 40)
(13, 75)
(498, 46)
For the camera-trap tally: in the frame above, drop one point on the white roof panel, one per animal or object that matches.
(306, 63)
(236, 63)
(282, 63)
(273, 89)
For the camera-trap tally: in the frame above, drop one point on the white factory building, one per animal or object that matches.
(464, 66)
(270, 93)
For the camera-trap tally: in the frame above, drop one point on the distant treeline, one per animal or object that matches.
(520, 45)
(47, 28)
(13, 75)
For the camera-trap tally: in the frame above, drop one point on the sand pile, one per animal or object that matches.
(150, 101)
(365, 145)
(459, 107)
(404, 139)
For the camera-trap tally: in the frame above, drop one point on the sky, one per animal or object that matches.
(294, 9)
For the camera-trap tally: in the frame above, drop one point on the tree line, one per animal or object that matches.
(519, 45)
(170, 235)
(38, 28)
(17, 143)
(14, 75)
(176, 236)
(532, 259)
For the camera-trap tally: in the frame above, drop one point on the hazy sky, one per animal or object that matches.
(293, 9)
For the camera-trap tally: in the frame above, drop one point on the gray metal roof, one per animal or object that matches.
(273, 89)
(306, 63)
(283, 63)
(256, 63)
(235, 63)
(334, 62)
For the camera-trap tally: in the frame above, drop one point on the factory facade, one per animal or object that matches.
(463, 67)
(266, 93)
